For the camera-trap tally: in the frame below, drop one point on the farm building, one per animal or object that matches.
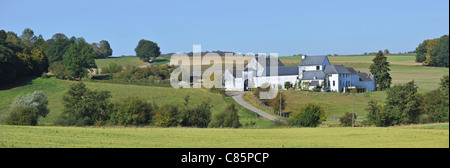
(312, 71)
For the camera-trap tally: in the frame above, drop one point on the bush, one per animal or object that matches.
(311, 115)
(83, 106)
(132, 111)
(25, 110)
(59, 70)
(346, 120)
(199, 116)
(228, 118)
(23, 116)
(167, 116)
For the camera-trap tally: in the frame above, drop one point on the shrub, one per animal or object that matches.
(25, 110)
(83, 106)
(199, 116)
(228, 118)
(311, 115)
(59, 70)
(132, 111)
(377, 115)
(23, 116)
(346, 120)
(167, 116)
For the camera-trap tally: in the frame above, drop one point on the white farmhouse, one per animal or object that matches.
(312, 71)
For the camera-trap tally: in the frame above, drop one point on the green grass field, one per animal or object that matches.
(124, 61)
(130, 137)
(55, 89)
(131, 61)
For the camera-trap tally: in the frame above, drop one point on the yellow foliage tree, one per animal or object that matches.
(430, 46)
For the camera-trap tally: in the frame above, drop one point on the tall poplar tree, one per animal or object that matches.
(380, 69)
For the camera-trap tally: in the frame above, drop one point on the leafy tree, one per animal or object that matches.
(402, 103)
(386, 51)
(198, 116)
(28, 38)
(59, 70)
(132, 111)
(114, 68)
(439, 54)
(348, 119)
(444, 88)
(105, 49)
(227, 118)
(275, 102)
(311, 115)
(78, 58)
(147, 50)
(58, 45)
(167, 115)
(83, 106)
(102, 49)
(380, 69)
(23, 116)
(421, 51)
(25, 110)
(377, 114)
(430, 45)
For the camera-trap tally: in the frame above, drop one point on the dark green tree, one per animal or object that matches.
(132, 111)
(58, 45)
(440, 52)
(380, 69)
(421, 51)
(78, 58)
(227, 118)
(198, 116)
(147, 50)
(347, 119)
(167, 115)
(83, 106)
(402, 103)
(311, 115)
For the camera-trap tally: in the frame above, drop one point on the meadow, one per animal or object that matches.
(148, 137)
(55, 89)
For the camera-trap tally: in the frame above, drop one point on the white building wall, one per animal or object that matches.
(233, 84)
(335, 78)
(275, 80)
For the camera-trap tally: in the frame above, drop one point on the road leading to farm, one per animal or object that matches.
(238, 98)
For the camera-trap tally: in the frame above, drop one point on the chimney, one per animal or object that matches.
(303, 57)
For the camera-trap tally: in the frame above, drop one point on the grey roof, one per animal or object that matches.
(283, 70)
(352, 70)
(365, 77)
(313, 60)
(309, 75)
(336, 69)
(314, 83)
(270, 62)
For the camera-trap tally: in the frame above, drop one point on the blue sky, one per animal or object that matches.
(284, 27)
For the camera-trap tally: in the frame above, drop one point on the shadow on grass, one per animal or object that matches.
(18, 83)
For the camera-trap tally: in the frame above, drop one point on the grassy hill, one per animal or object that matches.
(55, 89)
(107, 137)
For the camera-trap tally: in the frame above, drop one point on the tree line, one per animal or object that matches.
(86, 107)
(31, 55)
(434, 52)
(405, 106)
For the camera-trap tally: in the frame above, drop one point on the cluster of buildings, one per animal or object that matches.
(313, 72)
